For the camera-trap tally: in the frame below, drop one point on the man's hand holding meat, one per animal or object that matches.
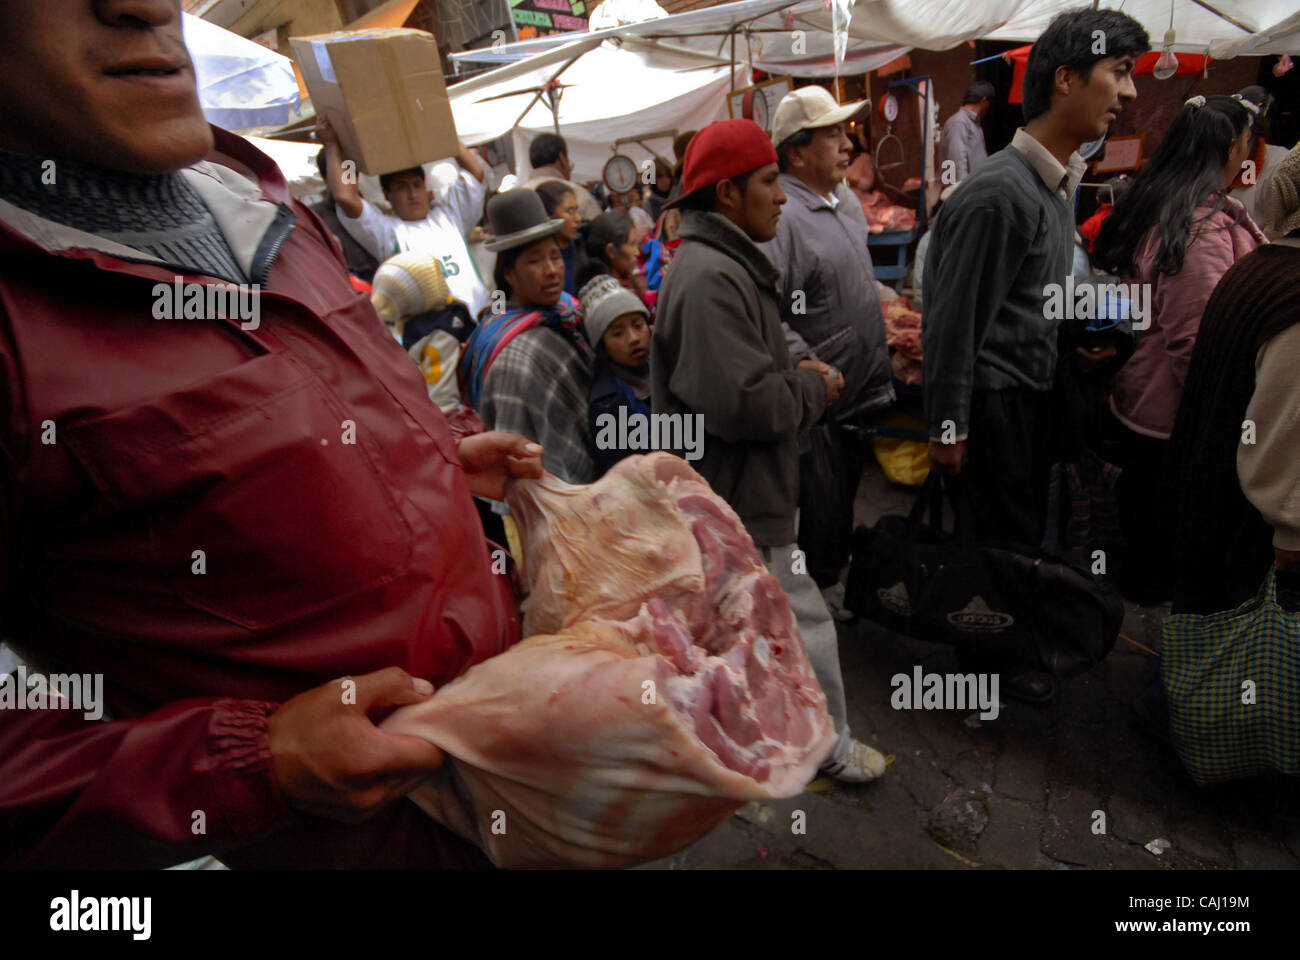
(332, 761)
(490, 459)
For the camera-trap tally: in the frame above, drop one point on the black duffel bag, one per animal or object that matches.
(1003, 602)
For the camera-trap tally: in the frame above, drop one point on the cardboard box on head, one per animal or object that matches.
(382, 91)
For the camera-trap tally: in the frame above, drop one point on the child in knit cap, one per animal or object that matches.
(411, 297)
(617, 326)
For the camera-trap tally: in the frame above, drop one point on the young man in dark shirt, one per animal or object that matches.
(1002, 238)
(990, 344)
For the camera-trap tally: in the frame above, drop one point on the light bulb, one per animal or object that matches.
(1167, 65)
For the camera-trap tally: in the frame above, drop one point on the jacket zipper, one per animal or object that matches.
(269, 247)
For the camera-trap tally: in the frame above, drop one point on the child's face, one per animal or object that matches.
(627, 341)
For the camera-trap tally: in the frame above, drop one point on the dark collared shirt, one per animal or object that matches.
(1003, 235)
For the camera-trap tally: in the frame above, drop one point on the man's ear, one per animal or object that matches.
(1064, 79)
(729, 197)
(798, 157)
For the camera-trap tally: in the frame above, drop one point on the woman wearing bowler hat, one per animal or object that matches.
(527, 368)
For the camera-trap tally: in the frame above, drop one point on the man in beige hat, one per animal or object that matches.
(832, 314)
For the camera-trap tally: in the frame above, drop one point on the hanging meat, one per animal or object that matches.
(662, 684)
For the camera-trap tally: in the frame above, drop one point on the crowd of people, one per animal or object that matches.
(736, 286)
(994, 367)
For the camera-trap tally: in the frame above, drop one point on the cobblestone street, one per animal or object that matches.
(1019, 791)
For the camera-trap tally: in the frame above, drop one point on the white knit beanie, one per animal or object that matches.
(406, 285)
(604, 300)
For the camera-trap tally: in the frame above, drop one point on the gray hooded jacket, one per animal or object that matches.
(718, 349)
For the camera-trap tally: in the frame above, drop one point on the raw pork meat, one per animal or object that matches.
(905, 370)
(662, 684)
(883, 215)
(903, 328)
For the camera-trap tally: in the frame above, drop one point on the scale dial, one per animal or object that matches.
(755, 107)
(620, 173)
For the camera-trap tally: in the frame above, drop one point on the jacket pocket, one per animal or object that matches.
(252, 469)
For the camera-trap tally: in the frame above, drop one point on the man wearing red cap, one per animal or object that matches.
(719, 351)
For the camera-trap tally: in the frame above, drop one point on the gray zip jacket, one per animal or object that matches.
(829, 299)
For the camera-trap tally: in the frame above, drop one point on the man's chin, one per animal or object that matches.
(160, 148)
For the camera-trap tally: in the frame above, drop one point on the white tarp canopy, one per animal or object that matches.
(1225, 28)
(608, 93)
(674, 72)
(241, 84)
(783, 35)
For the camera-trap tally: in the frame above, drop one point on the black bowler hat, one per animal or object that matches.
(518, 218)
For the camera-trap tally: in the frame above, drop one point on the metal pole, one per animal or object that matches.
(542, 90)
(1223, 16)
(733, 59)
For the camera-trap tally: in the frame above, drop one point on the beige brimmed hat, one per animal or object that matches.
(810, 108)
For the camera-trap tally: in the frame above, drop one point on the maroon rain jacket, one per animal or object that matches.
(129, 443)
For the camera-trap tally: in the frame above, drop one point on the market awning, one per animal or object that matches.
(1220, 28)
(776, 36)
(794, 36)
(605, 92)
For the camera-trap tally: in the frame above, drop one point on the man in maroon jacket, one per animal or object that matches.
(237, 505)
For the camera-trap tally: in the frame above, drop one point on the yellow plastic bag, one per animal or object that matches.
(905, 462)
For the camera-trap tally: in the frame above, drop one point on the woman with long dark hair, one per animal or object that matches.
(561, 203)
(608, 245)
(1176, 233)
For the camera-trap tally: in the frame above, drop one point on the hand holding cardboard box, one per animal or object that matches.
(383, 94)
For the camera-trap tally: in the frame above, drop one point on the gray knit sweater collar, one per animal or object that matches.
(157, 214)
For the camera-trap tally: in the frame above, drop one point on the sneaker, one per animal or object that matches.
(834, 598)
(859, 763)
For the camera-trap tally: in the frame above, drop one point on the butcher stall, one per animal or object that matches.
(894, 227)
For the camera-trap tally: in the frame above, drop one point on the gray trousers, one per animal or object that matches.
(818, 632)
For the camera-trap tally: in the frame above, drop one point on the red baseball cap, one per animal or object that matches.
(723, 150)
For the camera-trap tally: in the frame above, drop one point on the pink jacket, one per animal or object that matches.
(1148, 387)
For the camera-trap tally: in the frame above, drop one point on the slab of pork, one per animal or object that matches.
(662, 684)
